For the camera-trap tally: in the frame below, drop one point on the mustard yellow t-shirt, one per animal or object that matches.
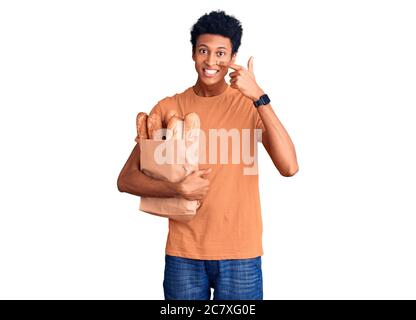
(228, 224)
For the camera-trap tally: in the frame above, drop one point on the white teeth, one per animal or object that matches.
(210, 71)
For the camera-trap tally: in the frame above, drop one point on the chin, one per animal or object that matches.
(209, 82)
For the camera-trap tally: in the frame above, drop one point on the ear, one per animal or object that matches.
(193, 55)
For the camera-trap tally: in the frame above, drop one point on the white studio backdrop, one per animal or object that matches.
(73, 76)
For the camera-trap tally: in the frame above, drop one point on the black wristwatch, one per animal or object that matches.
(263, 100)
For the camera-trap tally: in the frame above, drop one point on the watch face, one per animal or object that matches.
(265, 99)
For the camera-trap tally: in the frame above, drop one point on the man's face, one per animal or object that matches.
(209, 49)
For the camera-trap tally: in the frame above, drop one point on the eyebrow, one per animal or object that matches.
(204, 45)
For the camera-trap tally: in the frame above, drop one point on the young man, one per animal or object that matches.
(221, 247)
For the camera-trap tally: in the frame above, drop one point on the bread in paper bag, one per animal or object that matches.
(170, 160)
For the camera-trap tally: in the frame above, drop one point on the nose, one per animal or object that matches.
(211, 61)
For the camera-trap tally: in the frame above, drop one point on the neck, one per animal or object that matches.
(203, 90)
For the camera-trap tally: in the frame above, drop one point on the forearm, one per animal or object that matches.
(279, 145)
(137, 183)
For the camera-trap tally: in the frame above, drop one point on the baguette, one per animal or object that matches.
(168, 116)
(154, 126)
(174, 128)
(141, 125)
(191, 126)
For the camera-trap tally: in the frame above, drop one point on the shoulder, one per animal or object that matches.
(173, 99)
(171, 103)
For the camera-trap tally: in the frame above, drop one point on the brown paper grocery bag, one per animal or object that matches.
(166, 160)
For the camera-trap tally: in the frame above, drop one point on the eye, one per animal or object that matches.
(222, 53)
(202, 51)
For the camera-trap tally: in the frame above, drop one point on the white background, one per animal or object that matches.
(73, 76)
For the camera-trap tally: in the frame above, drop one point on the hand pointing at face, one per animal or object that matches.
(243, 79)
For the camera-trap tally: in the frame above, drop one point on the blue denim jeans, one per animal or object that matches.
(231, 279)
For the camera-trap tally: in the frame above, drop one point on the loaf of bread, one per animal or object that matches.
(191, 126)
(175, 128)
(168, 116)
(141, 125)
(154, 126)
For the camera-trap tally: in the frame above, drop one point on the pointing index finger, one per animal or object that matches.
(229, 65)
(222, 63)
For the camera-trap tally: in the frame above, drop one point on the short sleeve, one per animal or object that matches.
(259, 125)
(259, 122)
(157, 109)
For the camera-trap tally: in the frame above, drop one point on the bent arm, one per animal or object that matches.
(132, 180)
(277, 142)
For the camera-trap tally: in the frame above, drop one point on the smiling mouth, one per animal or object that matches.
(210, 72)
